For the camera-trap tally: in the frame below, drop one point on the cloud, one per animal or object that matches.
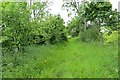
(114, 4)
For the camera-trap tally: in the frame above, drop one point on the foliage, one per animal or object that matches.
(21, 29)
(3, 38)
(112, 20)
(56, 29)
(112, 37)
(51, 30)
(25, 26)
(91, 34)
(100, 13)
(73, 28)
(15, 24)
(74, 59)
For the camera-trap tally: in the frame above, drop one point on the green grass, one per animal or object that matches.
(73, 59)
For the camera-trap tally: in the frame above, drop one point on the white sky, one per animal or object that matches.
(57, 4)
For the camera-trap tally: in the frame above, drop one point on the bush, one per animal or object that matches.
(21, 29)
(15, 25)
(55, 29)
(111, 38)
(91, 34)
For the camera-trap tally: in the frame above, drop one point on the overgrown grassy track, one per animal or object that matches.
(73, 59)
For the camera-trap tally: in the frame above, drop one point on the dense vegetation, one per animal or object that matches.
(37, 44)
(73, 59)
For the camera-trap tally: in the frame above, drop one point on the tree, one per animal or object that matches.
(15, 25)
(95, 12)
(55, 29)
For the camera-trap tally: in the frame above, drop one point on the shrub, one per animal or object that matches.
(21, 29)
(111, 38)
(55, 29)
(15, 25)
(91, 34)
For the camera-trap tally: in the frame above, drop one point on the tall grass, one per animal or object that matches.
(73, 59)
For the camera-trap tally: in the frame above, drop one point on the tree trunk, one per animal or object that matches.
(85, 24)
(100, 31)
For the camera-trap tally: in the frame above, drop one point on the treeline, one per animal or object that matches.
(24, 24)
(94, 21)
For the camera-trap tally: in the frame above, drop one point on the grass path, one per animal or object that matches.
(73, 59)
